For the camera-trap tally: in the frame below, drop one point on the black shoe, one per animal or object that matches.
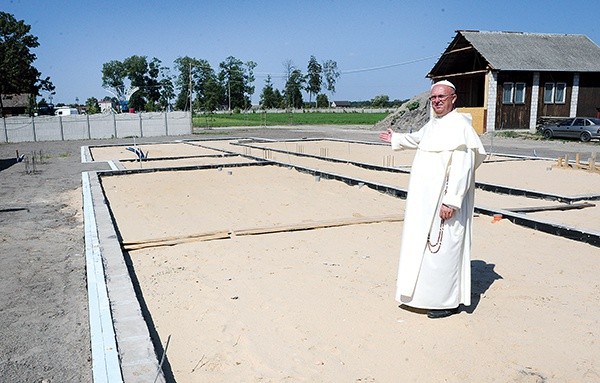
(434, 314)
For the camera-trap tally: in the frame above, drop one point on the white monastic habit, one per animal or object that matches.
(448, 152)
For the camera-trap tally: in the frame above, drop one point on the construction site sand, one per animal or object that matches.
(531, 174)
(513, 172)
(317, 305)
(534, 174)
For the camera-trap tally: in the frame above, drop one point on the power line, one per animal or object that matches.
(350, 71)
(386, 66)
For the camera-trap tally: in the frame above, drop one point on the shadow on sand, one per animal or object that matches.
(482, 277)
(6, 163)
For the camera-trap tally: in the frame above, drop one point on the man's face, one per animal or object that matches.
(442, 100)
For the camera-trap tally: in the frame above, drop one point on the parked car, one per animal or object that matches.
(65, 111)
(583, 128)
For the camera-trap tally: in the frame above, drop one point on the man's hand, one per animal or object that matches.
(446, 212)
(386, 136)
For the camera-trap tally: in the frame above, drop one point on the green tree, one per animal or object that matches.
(158, 86)
(380, 101)
(331, 73)
(279, 99)
(294, 83)
(314, 78)
(166, 89)
(17, 73)
(145, 85)
(293, 89)
(237, 78)
(113, 78)
(184, 66)
(209, 92)
(91, 105)
(248, 81)
(267, 97)
(197, 80)
(152, 86)
(322, 101)
(231, 76)
(136, 68)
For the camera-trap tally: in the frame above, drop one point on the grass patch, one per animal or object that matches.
(273, 119)
(516, 134)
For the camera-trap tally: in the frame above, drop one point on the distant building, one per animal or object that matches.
(340, 104)
(106, 106)
(15, 104)
(510, 80)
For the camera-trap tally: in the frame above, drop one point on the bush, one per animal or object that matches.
(413, 105)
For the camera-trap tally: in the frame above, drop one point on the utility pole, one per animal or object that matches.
(190, 88)
(191, 106)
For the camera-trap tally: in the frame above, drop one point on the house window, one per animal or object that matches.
(549, 93)
(513, 93)
(507, 93)
(520, 93)
(555, 93)
(559, 94)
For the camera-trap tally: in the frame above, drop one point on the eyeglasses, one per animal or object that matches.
(442, 97)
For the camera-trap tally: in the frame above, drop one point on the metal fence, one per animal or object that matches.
(95, 126)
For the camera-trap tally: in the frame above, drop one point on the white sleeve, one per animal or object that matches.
(406, 140)
(459, 177)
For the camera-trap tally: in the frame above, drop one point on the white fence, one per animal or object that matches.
(95, 126)
(308, 110)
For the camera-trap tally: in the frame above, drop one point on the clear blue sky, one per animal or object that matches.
(381, 47)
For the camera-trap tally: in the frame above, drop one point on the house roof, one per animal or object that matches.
(15, 100)
(519, 51)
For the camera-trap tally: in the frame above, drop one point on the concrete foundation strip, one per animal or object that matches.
(583, 235)
(105, 358)
(122, 349)
(224, 234)
(533, 209)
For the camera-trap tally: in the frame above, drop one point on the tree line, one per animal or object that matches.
(148, 85)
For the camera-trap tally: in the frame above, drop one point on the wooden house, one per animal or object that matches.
(512, 80)
(15, 104)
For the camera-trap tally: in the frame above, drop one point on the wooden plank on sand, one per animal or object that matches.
(223, 234)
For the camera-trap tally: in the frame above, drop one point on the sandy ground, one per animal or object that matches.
(294, 306)
(318, 305)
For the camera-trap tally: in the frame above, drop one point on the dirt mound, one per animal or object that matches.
(411, 115)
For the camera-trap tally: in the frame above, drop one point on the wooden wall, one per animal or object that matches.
(555, 110)
(513, 116)
(470, 90)
(588, 103)
(479, 117)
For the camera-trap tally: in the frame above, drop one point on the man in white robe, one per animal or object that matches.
(434, 271)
